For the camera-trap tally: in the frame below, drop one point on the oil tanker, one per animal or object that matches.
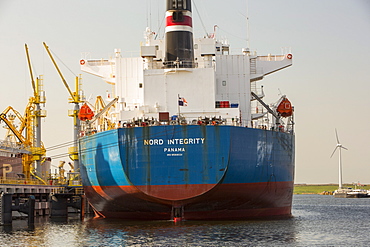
(187, 135)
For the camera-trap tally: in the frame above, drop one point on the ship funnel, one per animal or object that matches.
(179, 35)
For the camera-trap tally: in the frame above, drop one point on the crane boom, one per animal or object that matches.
(60, 73)
(17, 114)
(104, 110)
(12, 128)
(76, 99)
(30, 68)
(264, 105)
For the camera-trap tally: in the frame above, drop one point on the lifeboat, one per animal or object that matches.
(285, 108)
(85, 113)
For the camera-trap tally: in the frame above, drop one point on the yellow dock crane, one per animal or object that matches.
(30, 125)
(23, 141)
(76, 98)
(37, 114)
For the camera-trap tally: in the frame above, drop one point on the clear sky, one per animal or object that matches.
(329, 82)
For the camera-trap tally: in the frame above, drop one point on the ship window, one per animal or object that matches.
(140, 85)
(177, 16)
(223, 83)
(178, 4)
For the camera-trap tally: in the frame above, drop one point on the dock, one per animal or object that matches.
(34, 199)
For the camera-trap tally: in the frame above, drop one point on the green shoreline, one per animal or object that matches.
(320, 188)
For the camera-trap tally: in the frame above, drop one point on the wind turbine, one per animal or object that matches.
(339, 146)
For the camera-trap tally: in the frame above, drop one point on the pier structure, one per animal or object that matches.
(29, 197)
(27, 184)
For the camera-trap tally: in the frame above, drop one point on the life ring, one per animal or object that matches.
(289, 56)
(82, 62)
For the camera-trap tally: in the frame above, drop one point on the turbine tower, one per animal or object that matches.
(339, 146)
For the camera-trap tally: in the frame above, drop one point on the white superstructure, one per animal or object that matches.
(218, 86)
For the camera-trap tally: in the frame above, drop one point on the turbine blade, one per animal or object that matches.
(336, 134)
(344, 148)
(333, 151)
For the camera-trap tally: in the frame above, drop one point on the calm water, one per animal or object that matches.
(318, 221)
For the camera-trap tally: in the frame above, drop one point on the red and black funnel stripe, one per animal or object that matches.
(179, 19)
(179, 51)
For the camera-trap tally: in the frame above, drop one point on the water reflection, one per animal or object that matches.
(318, 220)
(193, 233)
(107, 232)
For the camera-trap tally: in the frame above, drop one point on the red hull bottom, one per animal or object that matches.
(223, 202)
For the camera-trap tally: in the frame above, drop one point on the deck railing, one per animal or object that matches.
(21, 181)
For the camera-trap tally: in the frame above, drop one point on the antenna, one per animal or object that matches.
(339, 146)
(247, 20)
(150, 13)
(279, 92)
(147, 13)
(200, 18)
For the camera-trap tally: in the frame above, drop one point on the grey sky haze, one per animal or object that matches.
(329, 82)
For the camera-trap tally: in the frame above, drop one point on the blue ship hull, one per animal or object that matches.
(189, 171)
